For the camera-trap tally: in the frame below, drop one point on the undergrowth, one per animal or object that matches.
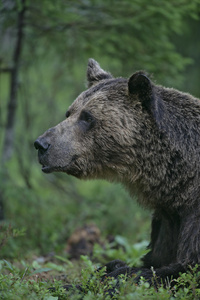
(34, 279)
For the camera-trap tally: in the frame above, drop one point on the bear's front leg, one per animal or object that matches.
(153, 276)
(114, 265)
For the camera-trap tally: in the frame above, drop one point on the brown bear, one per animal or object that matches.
(147, 137)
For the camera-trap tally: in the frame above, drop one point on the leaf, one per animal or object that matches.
(56, 267)
(66, 260)
(8, 265)
(40, 271)
(50, 298)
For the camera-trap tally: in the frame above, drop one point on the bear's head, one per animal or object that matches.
(101, 135)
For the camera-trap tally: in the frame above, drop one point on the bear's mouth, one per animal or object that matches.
(47, 169)
(71, 168)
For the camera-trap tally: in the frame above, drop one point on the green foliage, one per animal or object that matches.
(138, 30)
(23, 282)
(187, 286)
(7, 232)
(121, 249)
(14, 284)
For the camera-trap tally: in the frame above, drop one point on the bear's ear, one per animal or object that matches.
(139, 84)
(95, 73)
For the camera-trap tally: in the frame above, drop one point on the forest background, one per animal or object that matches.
(44, 49)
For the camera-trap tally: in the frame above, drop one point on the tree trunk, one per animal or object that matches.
(12, 102)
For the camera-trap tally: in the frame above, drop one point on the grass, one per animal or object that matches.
(32, 278)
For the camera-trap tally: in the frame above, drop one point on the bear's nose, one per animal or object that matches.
(42, 145)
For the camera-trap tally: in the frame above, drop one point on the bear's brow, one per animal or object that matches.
(104, 86)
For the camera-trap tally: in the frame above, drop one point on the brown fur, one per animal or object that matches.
(147, 137)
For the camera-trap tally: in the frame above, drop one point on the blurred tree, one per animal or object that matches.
(188, 44)
(133, 33)
(12, 102)
(14, 73)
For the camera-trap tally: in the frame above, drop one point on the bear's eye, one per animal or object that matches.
(86, 120)
(86, 116)
(67, 114)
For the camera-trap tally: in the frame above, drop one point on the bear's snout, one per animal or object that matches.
(42, 145)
